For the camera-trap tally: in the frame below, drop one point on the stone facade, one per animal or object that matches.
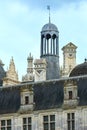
(40, 69)
(70, 95)
(60, 119)
(27, 101)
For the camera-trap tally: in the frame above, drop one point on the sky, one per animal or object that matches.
(21, 22)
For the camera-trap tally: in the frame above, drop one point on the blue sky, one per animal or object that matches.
(21, 22)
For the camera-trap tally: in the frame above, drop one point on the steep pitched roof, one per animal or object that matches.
(9, 100)
(47, 95)
(82, 91)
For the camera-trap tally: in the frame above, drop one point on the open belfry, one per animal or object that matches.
(47, 98)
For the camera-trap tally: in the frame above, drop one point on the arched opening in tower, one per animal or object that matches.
(49, 44)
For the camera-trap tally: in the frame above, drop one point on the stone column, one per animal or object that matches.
(51, 45)
(54, 46)
(41, 46)
(47, 46)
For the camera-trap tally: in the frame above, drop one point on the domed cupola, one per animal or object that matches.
(50, 49)
(79, 70)
(49, 27)
(49, 39)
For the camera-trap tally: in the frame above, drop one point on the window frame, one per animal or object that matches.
(26, 100)
(6, 125)
(70, 95)
(27, 124)
(70, 121)
(49, 122)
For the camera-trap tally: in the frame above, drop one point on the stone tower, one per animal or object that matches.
(29, 76)
(69, 58)
(30, 64)
(50, 50)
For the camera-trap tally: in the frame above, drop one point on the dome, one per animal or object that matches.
(80, 69)
(49, 26)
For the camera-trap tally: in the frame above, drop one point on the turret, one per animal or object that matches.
(50, 50)
(29, 76)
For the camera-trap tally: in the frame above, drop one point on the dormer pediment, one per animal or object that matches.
(69, 45)
(26, 96)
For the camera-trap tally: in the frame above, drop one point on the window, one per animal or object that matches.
(26, 99)
(27, 123)
(49, 122)
(71, 121)
(6, 124)
(70, 95)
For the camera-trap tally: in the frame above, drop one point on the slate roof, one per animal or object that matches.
(82, 91)
(9, 100)
(47, 95)
(80, 69)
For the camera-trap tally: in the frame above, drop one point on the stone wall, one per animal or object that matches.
(60, 118)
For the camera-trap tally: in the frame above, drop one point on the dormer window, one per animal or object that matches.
(27, 103)
(70, 95)
(26, 100)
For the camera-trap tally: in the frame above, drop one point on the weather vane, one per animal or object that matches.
(48, 7)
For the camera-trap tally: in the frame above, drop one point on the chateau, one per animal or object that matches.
(48, 97)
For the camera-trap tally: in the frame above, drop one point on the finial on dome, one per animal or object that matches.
(48, 7)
